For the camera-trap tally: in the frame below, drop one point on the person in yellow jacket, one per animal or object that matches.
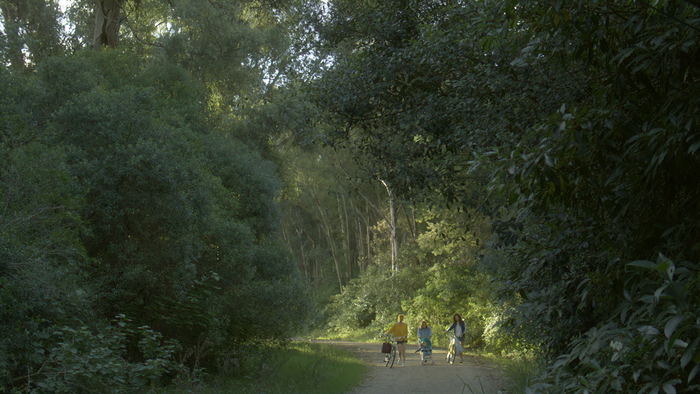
(400, 331)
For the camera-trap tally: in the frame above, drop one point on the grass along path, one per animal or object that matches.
(474, 376)
(320, 368)
(301, 367)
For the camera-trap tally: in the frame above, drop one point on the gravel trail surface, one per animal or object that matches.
(472, 376)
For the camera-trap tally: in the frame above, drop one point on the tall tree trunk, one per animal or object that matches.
(287, 241)
(392, 228)
(391, 220)
(329, 236)
(360, 255)
(319, 264)
(302, 251)
(369, 236)
(12, 24)
(343, 230)
(411, 223)
(359, 241)
(347, 244)
(108, 20)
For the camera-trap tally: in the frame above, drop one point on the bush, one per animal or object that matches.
(421, 292)
(650, 345)
(90, 359)
(121, 194)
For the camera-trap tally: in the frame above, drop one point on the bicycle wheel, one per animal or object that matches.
(387, 358)
(451, 355)
(393, 355)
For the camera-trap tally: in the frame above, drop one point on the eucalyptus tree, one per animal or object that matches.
(359, 218)
(316, 210)
(31, 32)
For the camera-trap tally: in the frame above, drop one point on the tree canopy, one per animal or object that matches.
(139, 220)
(582, 118)
(183, 178)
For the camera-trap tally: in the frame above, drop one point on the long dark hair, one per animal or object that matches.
(455, 317)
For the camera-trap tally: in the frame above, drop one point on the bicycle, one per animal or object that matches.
(391, 356)
(451, 349)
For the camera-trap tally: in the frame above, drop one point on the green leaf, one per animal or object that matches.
(693, 372)
(669, 386)
(557, 5)
(37, 358)
(623, 55)
(693, 148)
(665, 267)
(672, 324)
(689, 352)
(642, 264)
(616, 384)
(659, 292)
(636, 374)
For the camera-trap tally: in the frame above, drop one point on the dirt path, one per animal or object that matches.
(414, 378)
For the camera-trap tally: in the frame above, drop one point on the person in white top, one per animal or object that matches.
(459, 329)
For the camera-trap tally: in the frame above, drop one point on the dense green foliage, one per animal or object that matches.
(583, 118)
(138, 220)
(430, 285)
(174, 181)
(31, 32)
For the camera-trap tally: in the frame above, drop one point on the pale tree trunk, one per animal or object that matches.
(369, 237)
(329, 236)
(12, 25)
(351, 253)
(287, 241)
(362, 255)
(302, 251)
(390, 221)
(343, 230)
(392, 228)
(411, 223)
(319, 264)
(108, 20)
(359, 241)
(345, 227)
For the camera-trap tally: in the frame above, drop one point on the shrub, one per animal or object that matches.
(88, 360)
(650, 345)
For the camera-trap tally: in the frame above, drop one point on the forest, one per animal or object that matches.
(186, 184)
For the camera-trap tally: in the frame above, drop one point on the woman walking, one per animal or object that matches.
(459, 329)
(400, 331)
(424, 331)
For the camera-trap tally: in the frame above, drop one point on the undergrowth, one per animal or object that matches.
(301, 367)
(518, 369)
